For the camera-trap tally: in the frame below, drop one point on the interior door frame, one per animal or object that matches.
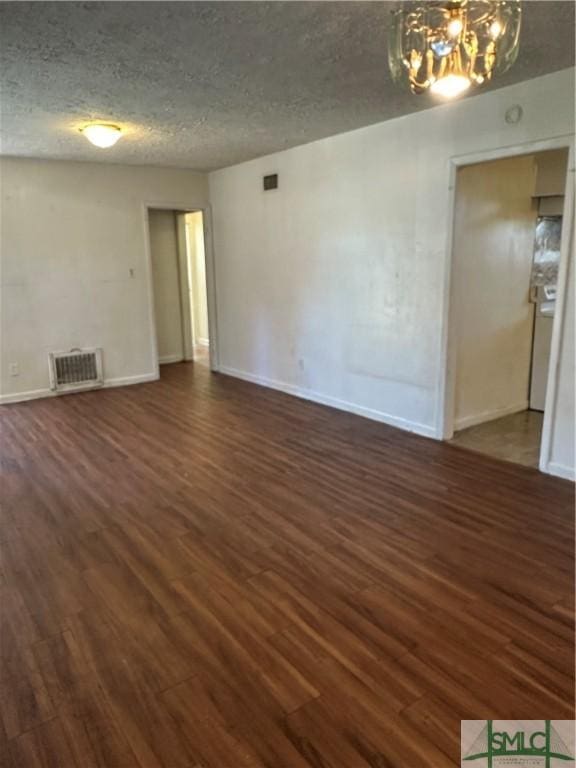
(446, 384)
(211, 294)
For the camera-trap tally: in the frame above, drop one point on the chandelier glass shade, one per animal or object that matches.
(446, 47)
(102, 135)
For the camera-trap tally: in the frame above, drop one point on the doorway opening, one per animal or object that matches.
(506, 256)
(178, 269)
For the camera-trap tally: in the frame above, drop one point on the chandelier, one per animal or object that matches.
(445, 47)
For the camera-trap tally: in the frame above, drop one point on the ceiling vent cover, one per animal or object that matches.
(76, 370)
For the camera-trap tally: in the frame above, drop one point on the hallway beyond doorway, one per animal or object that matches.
(512, 438)
(178, 264)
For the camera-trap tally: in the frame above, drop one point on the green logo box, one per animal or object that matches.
(517, 743)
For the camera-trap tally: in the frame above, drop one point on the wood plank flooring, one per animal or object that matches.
(201, 573)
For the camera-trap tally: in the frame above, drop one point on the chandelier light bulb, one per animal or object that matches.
(102, 135)
(495, 29)
(450, 86)
(455, 27)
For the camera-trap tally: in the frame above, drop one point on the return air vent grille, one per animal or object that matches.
(76, 370)
(270, 182)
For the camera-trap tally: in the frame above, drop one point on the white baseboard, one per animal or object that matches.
(126, 381)
(561, 470)
(21, 397)
(341, 405)
(202, 342)
(171, 359)
(480, 418)
(37, 394)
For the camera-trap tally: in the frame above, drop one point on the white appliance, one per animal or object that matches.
(543, 293)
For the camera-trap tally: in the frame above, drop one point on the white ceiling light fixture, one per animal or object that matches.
(445, 46)
(102, 135)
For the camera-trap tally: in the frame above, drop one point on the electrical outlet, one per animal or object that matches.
(13, 368)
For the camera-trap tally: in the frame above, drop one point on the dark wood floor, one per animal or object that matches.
(202, 573)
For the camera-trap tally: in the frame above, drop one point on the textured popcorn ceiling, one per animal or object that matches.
(205, 85)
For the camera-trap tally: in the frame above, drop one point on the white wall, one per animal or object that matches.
(562, 460)
(551, 174)
(71, 234)
(166, 283)
(333, 286)
(494, 227)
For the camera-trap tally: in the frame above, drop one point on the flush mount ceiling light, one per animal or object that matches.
(102, 135)
(445, 47)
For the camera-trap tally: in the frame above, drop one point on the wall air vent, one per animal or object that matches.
(76, 370)
(271, 182)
